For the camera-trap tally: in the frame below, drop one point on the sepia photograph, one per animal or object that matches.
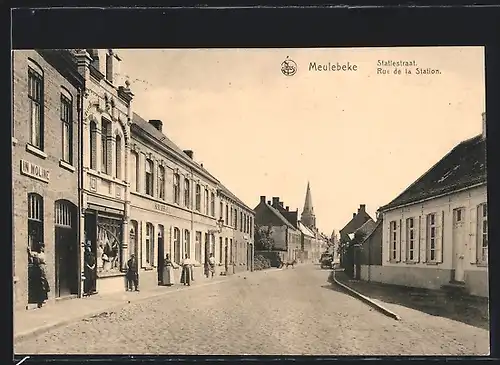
(250, 201)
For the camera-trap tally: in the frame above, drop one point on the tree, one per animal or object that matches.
(264, 238)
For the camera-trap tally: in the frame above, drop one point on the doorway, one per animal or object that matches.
(458, 244)
(161, 254)
(66, 249)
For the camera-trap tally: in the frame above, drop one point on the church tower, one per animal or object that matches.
(308, 218)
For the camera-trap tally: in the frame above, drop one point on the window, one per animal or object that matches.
(241, 221)
(177, 245)
(197, 247)
(134, 171)
(230, 216)
(221, 208)
(149, 177)
(118, 153)
(251, 226)
(221, 250)
(63, 214)
(67, 128)
(187, 243)
(235, 219)
(105, 152)
(177, 190)
(161, 182)
(149, 250)
(410, 240)
(35, 221)
(459, 215)
(207, 206)
(394, 241)
(226, 249)
(231, 258)
(483, 233)
(245, 228)
(198, 198)
(227, 215)
(35, 95)
(186, 193)
(212, 204)
(93, 145)
(431, 237)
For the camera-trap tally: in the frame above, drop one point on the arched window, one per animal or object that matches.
(212, 204)
(35, 221)
(149, 249)
(134, 171)
(177, 245)
(186, 193)
(63, 214)
(93, 145)
(149, 177)
(207, 207)
(177, 190)
(118, 153)
(198, 197)
(161, 182)
(187, 243)
(106, 162)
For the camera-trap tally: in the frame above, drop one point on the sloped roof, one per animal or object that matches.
(369, 227)
(228, 192)
(160, 137)
(377, 224)
(305, 230)
(280, 216)
(464, 166)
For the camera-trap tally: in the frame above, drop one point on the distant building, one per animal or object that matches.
(435, 233)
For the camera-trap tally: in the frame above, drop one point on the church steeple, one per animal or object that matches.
(308, 218)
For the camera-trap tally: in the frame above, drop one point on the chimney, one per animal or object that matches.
(362, 208)
(189, 153)
(276, 201)
(158, 124)
(484, 124)
(353, 215)
(281, 204)
(268, 202)
(262, 198)
(287, 208)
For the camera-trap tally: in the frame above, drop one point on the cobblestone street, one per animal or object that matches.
(282, 312)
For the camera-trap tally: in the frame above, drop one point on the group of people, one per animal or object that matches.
(168, 271)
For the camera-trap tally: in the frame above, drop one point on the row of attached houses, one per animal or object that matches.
(297, 239)
(89, 173)
(435, 233)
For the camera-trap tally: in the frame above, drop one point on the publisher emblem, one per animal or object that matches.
(288, 67)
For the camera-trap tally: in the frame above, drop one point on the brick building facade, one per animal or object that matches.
(45, 170)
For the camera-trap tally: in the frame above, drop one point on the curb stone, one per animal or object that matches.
(121, 304)
(367, 300)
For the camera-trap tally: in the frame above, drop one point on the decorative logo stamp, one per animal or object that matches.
(288, 67)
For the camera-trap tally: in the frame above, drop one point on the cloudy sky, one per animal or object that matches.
(358, 137)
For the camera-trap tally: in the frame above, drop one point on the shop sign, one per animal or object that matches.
(161, 208)
(34, 171)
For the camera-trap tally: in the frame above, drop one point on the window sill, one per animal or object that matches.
(482, 264)
(432, 263)
(66, 166)
(14, 141)
(410, 262)
(36, 151)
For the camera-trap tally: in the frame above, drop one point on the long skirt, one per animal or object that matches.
(38, 284)
(186, 275)
(168, 275)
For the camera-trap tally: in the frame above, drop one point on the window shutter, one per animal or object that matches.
(143, 244)
(387, 242)
(154, 246)
(417, 223)
(403, 230)
(439, 236)
(423, 239)
(398, 240)
(473, 235)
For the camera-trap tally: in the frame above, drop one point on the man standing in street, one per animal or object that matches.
(132, 274)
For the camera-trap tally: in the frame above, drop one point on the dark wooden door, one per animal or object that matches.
(161, 258)
(66, 261)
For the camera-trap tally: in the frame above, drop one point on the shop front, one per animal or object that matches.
(104, 266)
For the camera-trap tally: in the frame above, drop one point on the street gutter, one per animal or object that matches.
(366, 300)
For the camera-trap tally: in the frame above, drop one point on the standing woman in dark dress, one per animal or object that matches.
(89, 286)
(38, 276)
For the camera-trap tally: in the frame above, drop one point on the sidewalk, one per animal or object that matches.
(32, 322)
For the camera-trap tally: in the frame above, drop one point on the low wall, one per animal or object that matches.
(272, 256)
(429, 278)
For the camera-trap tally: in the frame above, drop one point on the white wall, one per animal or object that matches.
(444, 207)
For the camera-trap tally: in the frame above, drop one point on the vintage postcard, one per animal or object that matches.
(323, 201)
